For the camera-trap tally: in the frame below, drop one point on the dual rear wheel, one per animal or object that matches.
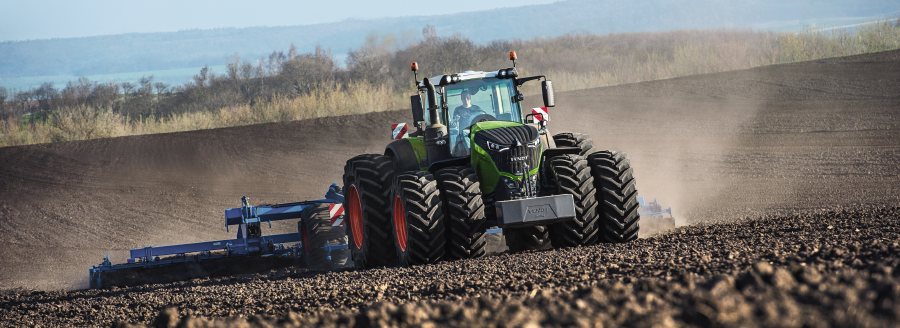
(411, 218)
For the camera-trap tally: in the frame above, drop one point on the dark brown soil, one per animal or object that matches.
(777, 144)
(838, 269)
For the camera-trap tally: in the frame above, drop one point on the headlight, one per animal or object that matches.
(496, 147)
(535, 143)
(510, 183)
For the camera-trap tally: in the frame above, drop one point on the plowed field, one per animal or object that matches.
(786, 175)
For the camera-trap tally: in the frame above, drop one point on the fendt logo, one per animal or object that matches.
(537, 210)
(519, 158)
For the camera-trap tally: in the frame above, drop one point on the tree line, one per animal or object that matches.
(576, 61)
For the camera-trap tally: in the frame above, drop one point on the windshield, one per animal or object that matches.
(474, 101)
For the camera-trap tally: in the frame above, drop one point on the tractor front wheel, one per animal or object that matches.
(418, 220)
(463, 213)
(572, 176)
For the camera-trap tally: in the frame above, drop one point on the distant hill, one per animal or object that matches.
(138, 52)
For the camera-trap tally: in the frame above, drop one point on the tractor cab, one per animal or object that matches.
(475, 97)
(457, 102)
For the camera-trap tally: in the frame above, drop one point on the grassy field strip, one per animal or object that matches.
(571, 66)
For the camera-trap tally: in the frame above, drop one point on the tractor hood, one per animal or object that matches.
(504, 149)
(503, 134)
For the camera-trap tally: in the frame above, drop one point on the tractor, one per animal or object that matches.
(477, 160)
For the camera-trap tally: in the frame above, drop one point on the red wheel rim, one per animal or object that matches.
(354, 211)
(400, 222)
(305, 238)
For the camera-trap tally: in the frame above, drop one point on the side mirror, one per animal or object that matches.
(547, 89)
(417, 111)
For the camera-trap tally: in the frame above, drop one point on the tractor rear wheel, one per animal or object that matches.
(418, 220)
(617, 195)
(315, 230)
(572, 176)
(570, 139)
(527, 239)
(463, 213)
(367, 207)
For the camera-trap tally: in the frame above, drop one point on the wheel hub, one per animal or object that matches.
(400, 222)
(354, 211)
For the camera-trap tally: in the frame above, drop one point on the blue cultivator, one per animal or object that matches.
(248, 253)
(652, 209)
(654, 218)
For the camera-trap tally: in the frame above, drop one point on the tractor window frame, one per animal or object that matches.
(494, 96)
(497, 101)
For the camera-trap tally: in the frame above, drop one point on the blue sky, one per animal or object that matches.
(44, 19)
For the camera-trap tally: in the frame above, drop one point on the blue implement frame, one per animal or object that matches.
(249, 240)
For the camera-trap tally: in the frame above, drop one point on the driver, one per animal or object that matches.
(465, 112)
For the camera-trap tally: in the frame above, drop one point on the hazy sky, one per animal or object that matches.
(44, 19)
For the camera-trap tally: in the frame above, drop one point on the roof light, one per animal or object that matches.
(447, 79)
(512, 55)
(502, 73)
(511, 72)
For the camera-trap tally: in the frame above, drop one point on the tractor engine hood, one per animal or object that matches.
(505, 150)
(502, 138)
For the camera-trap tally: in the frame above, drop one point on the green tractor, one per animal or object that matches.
(477, 160)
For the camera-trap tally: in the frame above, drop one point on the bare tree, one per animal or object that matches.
(293, 52)
(371, 61)
(4, 93)
(128, 87)
(44, 94)
(233, 67)
(24, 97)
(161, 88)
(429, 33)
(146, 83)
(202, 78)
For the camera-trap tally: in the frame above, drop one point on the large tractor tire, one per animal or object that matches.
(463, 213)
(572, 176)
(315, 230)
(569, 139)
(527, 239)
(617, 196)
(367, 207)
(418, 220)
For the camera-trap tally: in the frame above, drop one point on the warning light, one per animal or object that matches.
(512, 55)
(414, 66)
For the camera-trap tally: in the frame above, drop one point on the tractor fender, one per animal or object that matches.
(559, 151)
(461, 161)
(403, 154)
